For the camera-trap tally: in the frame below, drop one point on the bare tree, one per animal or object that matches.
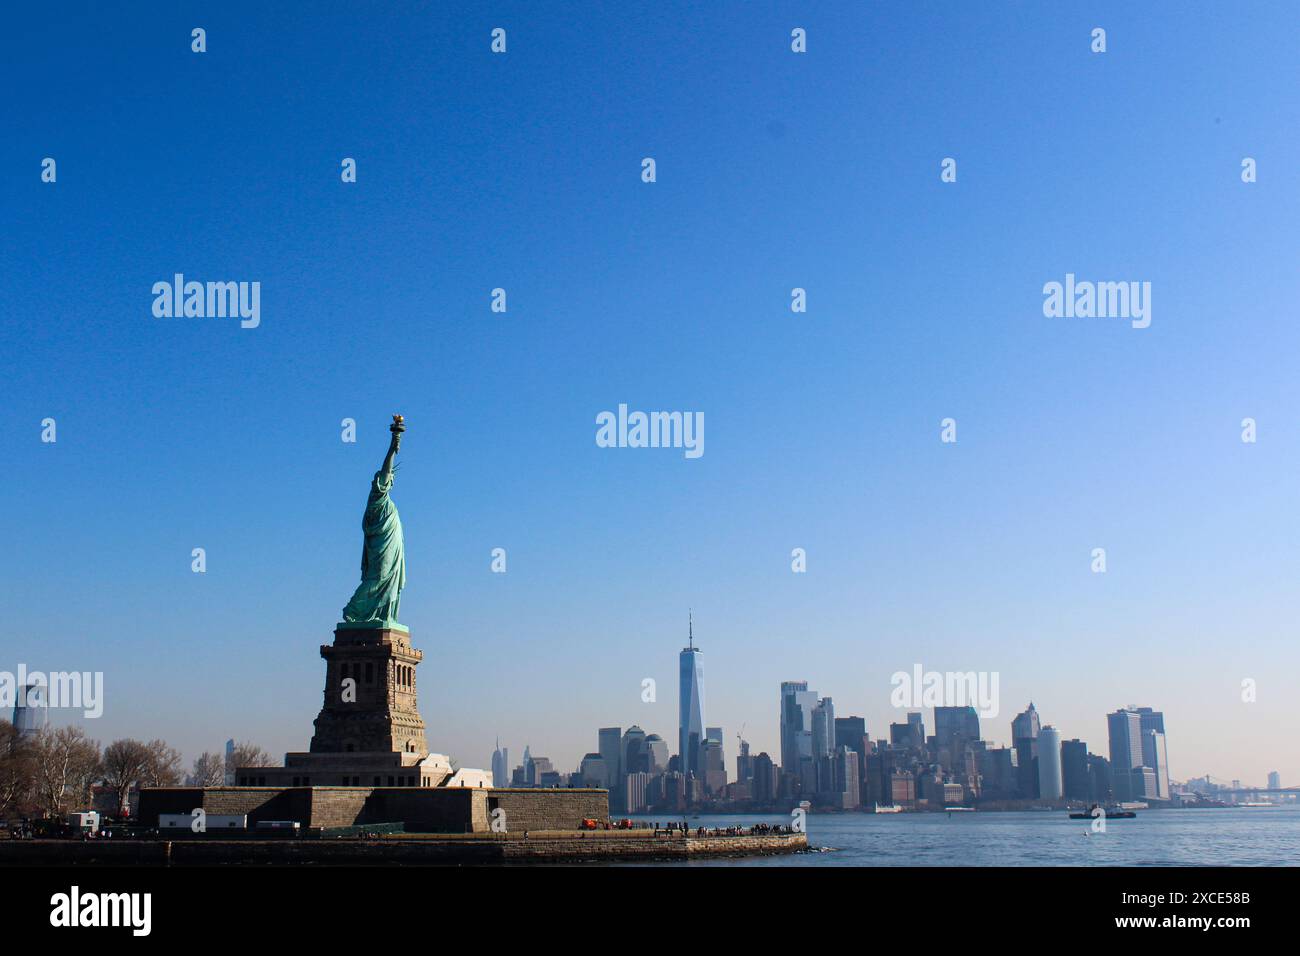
(17, 770)
(164, 768)
(66, 763)
(87, 766)
(209, 770)
(126, 762)
(246, 754)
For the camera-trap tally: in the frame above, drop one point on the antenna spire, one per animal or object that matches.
(690, 628)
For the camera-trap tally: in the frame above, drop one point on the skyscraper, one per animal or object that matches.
(956, 732)
(1099, 787)
(1156, 757)
(536, 770)
(593, 772)
(819, 778)
(950, 722)
(714, 768)
(851, 732)
(1150, 719)
(1074, 770)
(636, 759)
(690, 705)
(610, 747)
(846, 778)
(1274, 780)
(764, 779)
(715, 734)
(1124, 728)
(998, 771)
(500, 766)
(909, 735)
(1024, 738)
(636, 796)
(1135, 755)
(31, 714)
(657, 750)
(823, 728)
(1154, 754)
(1050, 784)
(744, 764)
(797, 703)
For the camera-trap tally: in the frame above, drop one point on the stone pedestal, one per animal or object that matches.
(369, 732)
(370, 694)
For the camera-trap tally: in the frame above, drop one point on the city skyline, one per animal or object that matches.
(690, 677)
(784, 750)
(1064, 776)
(836, 766)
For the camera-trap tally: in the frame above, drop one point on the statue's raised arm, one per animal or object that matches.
(396, 428)
(383, 557)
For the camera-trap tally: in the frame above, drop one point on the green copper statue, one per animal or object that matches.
(383, 559)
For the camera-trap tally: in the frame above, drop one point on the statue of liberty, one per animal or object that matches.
(383, 557)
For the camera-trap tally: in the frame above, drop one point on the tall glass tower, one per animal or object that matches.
(690, 708)
(500, 766)
(1154, 755)
(1125, 730)
(1051, 781)
(797, 704)
(30, 713)
(1024, 737)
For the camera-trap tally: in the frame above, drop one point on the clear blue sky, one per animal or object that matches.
(775, 170)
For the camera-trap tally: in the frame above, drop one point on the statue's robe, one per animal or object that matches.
(383, 559)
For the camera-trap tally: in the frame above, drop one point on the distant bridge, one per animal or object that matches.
(1222, 788)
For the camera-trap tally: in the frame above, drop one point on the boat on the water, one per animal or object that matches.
(890, 809)
(1109, 813)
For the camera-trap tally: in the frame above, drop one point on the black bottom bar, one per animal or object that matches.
(336, 904)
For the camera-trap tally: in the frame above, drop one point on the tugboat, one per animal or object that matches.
(1112, 813)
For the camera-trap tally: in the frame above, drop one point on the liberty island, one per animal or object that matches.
(369, 761)
(369, 764)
